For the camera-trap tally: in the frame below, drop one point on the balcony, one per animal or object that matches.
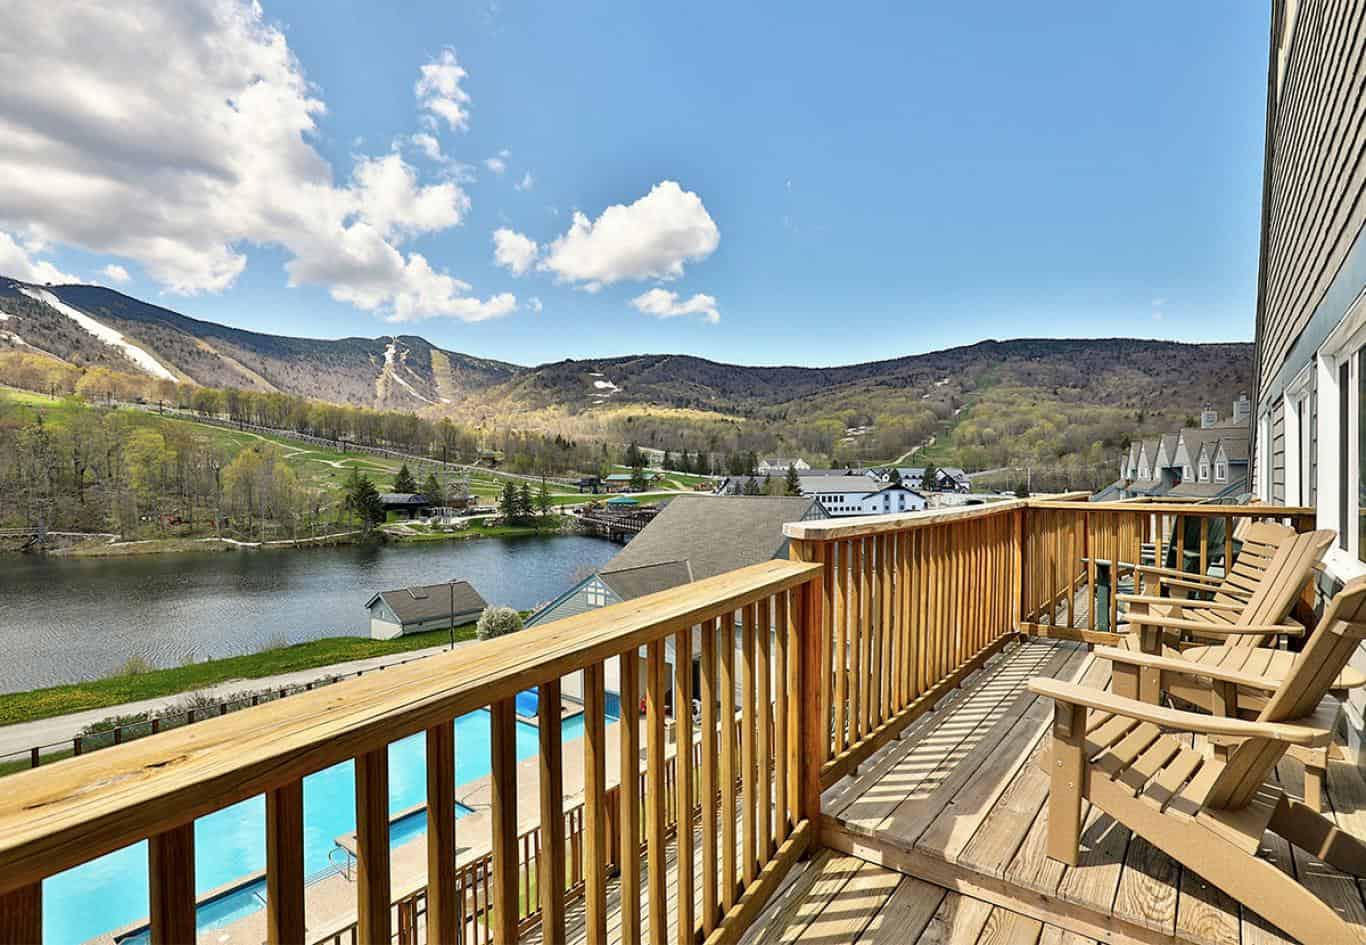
(861, 771)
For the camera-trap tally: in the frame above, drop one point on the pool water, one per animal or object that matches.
(111, 892)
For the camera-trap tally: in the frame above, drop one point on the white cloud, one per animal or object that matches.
(499, 162)
(116, 272)
(526, 183)
(428, 145)
(17, 263)
(179, 168)
(513, 251)
(438, 90)
(534, 303)
(662, 303)
(650, 239)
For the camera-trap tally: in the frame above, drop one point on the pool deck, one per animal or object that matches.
(330, 902)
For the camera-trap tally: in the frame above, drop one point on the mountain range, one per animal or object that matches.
(94, 325)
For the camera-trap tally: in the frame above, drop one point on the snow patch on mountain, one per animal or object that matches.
(109, 336)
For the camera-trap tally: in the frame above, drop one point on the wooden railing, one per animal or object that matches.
(1075, 554)
(60, 816)
(911, 604)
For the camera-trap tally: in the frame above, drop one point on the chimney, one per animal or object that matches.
(1208, 417)
(1242, 409)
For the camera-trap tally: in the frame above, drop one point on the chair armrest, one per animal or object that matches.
(1214, 629)
(1177, 573)
(1179, 603)
(1072, 694)
(1186, 667)
(1192, 585)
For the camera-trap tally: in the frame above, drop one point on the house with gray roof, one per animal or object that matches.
(423, 607)
(692, 538)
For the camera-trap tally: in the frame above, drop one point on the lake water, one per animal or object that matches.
(64, 620)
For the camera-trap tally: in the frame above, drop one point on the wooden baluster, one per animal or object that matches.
(1113, 554)
(805, 749)
(841, 645)
(709, 696)
(919, 587)
(629, 793)
(683, 780)
(782, 680)
(594, 806)
(885, 671)
(551, 863)
(729, 772)
(504, 826)
(939, 607)
(285, 864)
(867, 629)
(748, 777)
(1204, 544)
(1228, 544)
(21, 915)
(856, 630)
(372, 847)
(1089, 547)
(763, 669)
(655, 798)
(170, 867)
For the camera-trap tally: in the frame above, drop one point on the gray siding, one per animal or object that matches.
(1316, 170)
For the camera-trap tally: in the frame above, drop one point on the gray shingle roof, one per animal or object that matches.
(713, 534)
(839, 484)
(630, 583)
(430, 601)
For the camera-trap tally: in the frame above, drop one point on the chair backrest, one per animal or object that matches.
(1255, 545)
(1280, 584)
(1330, 646)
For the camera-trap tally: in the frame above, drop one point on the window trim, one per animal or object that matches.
(1339, 438)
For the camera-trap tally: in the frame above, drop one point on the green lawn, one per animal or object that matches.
(101, 693)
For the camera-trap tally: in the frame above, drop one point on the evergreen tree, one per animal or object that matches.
(507, 502)
(752, 486)
(431, 488)
(362, 501)
(793, 485)
(403, 481)
(667, 461)
(895, 476)
(931, 478)
(543, 499)
(525, 510)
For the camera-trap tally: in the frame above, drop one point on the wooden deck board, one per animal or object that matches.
(971, 816)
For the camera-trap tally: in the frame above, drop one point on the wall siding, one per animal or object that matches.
(1316, 173)
(1278, 452)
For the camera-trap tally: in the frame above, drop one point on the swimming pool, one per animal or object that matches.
(111, 892)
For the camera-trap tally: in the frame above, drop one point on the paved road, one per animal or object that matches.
(59, 730)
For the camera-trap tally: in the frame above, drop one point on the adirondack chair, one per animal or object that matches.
(1175, 623)
(1248, 653)
(1210, 814)
(1254, 546)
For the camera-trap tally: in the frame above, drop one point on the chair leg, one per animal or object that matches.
(1066, 781)
(1314, 833)
(1249, 879)
(1315, 772)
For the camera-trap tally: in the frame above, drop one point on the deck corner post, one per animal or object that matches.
(1067, 771)
(812, 739)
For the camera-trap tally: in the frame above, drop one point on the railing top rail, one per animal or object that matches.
(56, 817)
(862, 526)
(1177, 508)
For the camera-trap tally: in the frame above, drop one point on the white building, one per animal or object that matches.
(778, 465)
(860, 495)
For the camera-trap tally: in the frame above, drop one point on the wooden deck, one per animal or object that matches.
(959, 803)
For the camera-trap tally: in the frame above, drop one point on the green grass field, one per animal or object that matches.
(102, 693)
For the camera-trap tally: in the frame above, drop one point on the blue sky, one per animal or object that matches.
(850, 184)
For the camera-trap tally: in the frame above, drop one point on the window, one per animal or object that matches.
(1221, 472)
(1361, 454)
(1204, 472)
(595, 595)
(1185, 472)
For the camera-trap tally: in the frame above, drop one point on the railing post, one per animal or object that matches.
(285, 864)
(813, 726)
(21, 915)
(504, 827)
(442, 908)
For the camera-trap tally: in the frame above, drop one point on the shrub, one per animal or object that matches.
(497, 621)
(134, 666)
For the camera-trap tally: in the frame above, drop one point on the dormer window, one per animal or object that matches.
(1220, 472)
(1185, 472)
(1204, 472)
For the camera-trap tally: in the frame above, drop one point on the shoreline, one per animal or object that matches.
(384, 534)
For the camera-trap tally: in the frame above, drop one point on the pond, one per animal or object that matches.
(68, 619)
